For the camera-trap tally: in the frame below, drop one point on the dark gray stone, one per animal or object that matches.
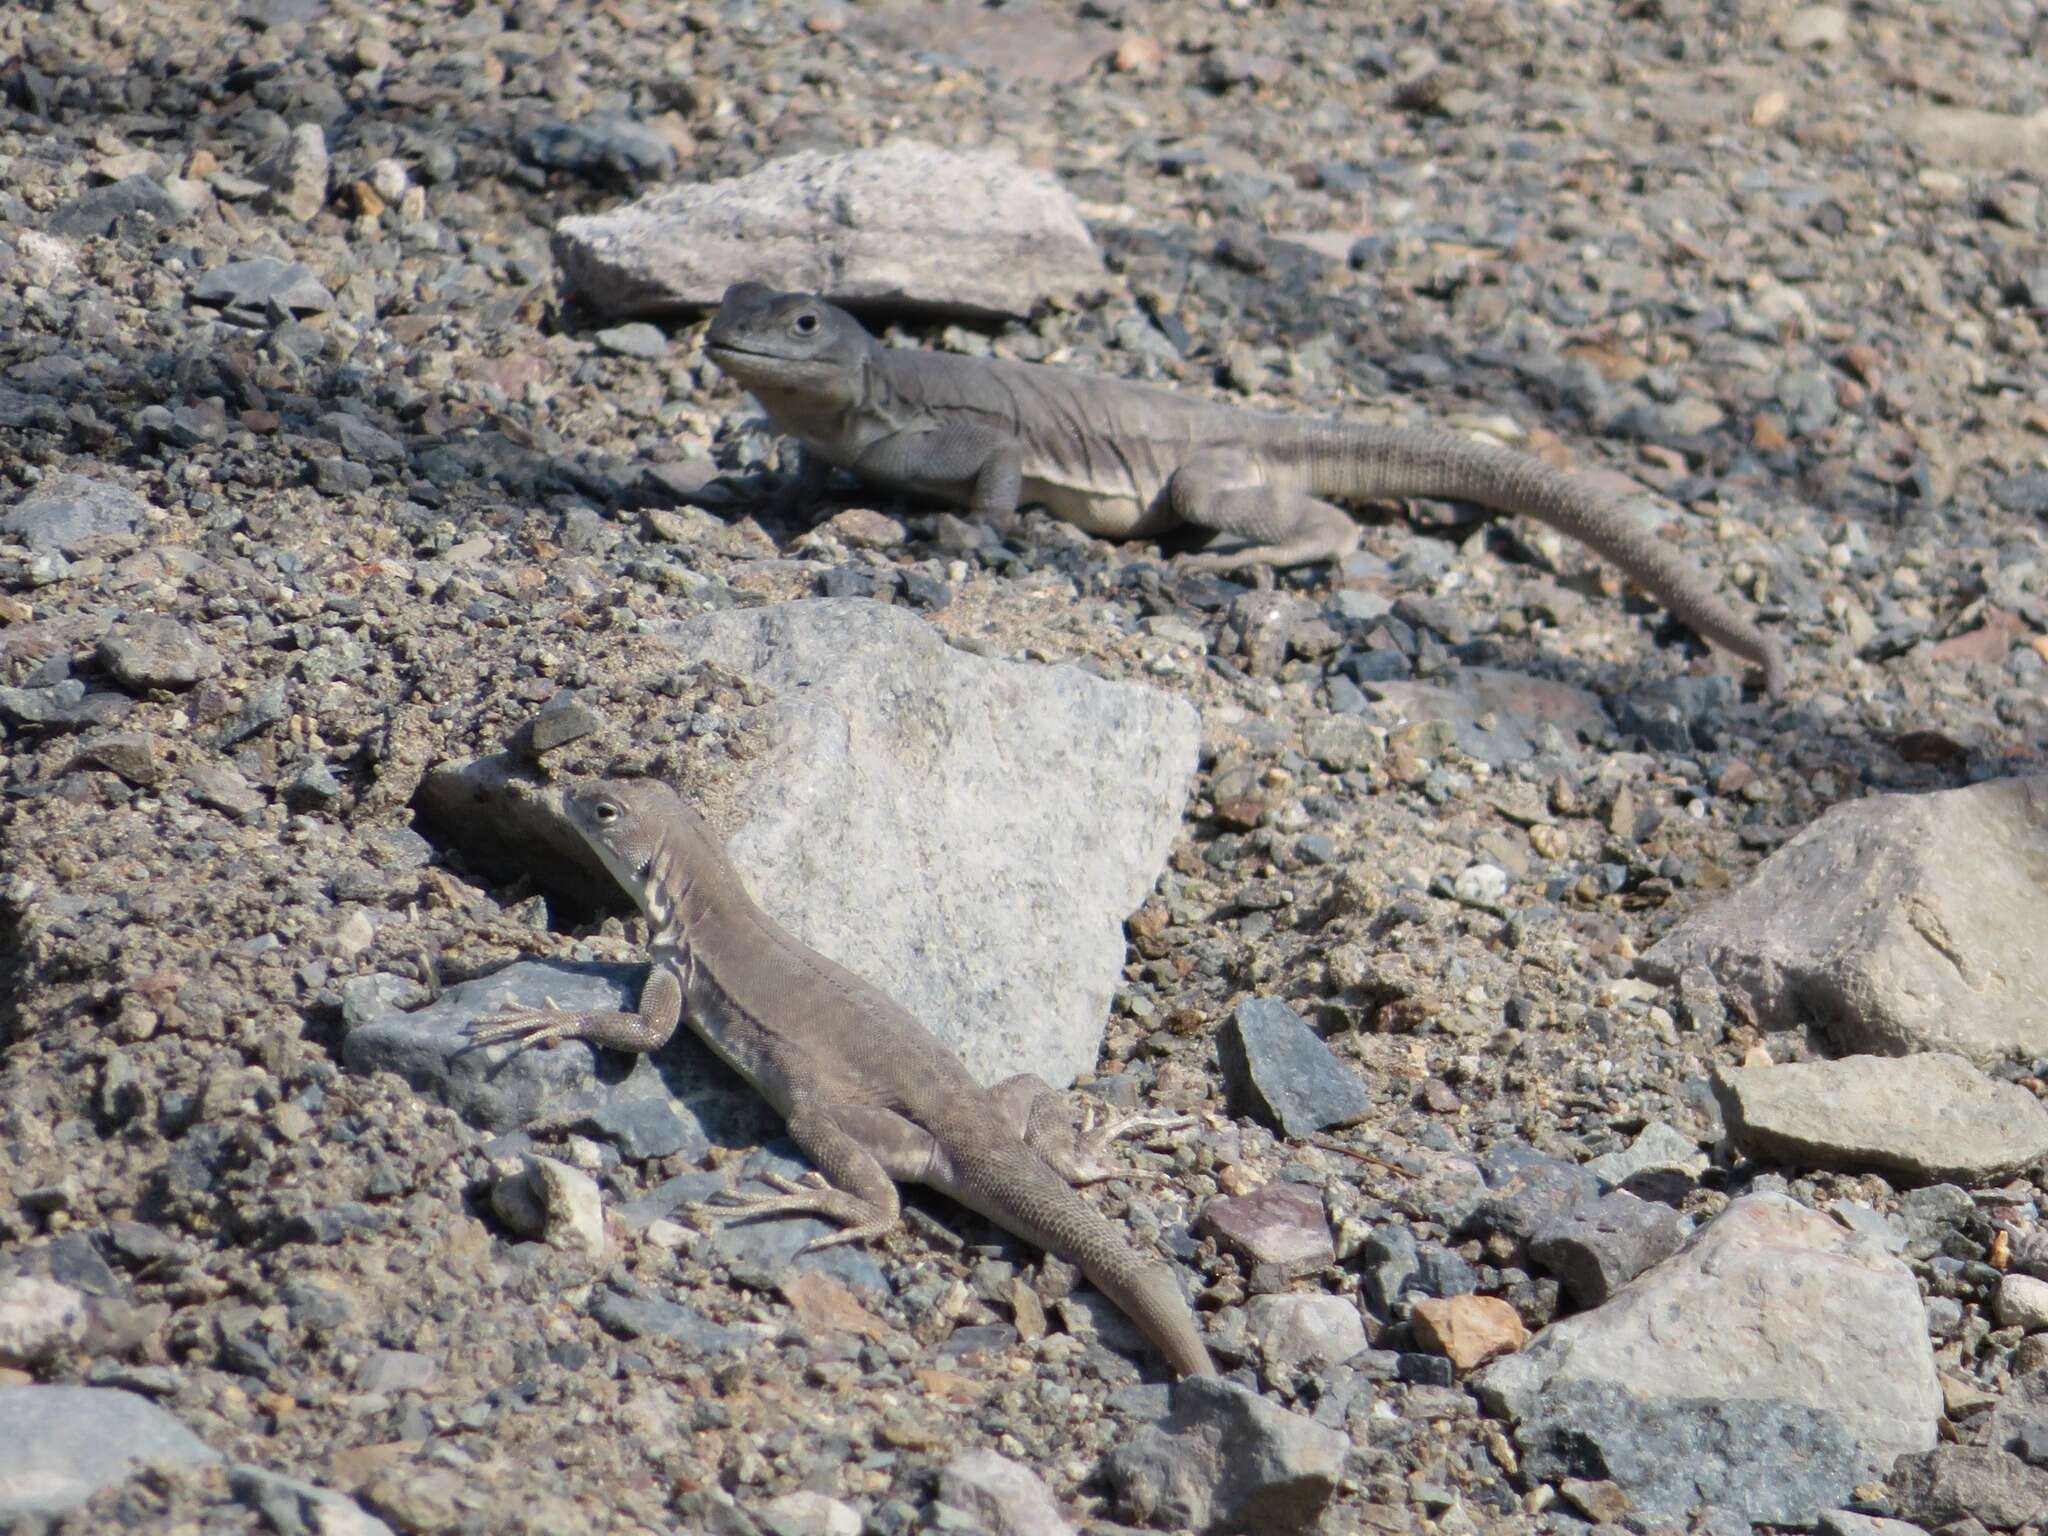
(61, 1445)
(1225, 1460)
(1527, 1191)
(645, 1128)
(40, 706)
(502, 1090)
(129, 206)
(265, 283)
(763, 1253)
(1389, 1262)
(1596, 1249)
(360, 442)
(601, 147)
(156, 652)
(651, 1317)
(1763, 1460)
(293, 1508)
(65, 512)
(264, 707)
(563, 719)
(2025, 494)
(1278, 1070)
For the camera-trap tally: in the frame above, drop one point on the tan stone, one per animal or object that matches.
(1468, 1330)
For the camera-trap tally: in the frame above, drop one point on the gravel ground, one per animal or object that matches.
(336, 526)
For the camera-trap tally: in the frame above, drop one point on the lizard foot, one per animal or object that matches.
(812, 1197)
(1092, 1141)
(545, 1026)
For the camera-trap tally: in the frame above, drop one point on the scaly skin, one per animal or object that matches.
(1125, 460)
(870, 1094)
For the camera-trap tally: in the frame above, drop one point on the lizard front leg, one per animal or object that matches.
(860, 1152)
(1224, 490)
(981, 468)
(1042, 1118)
(661, 1009)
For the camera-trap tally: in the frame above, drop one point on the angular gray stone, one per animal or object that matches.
(293, 1508)
(61, 1445)
(603, 146)
(156, 652)
(1957, 1482)
(261, 281)
(1899, 923)
(1226, 1460)
(1596, 1249)
(1278, 1070)
(1527, 1191)
(65, 512)
(1932, 1116)
(502, 1091)
(1769, 1367)
(1001, 1497)
(652, 1317)
(1656, 1148)
(635, 339)
(296, 173)
(131, 205)
(970, 232)
(1304, 1332)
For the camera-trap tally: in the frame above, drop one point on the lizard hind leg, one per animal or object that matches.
(860, 1153)
(1223, 490)
(1042, 1118)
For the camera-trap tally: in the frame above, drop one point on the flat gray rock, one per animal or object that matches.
(261, 281)
(1899, 923)
(61, 1445)
(969, 232)
(67, 511)
(671, 1101)
(1931, 1117)
(1768, 1367)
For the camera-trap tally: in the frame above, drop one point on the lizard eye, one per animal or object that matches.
(805, 324)
(606, 813)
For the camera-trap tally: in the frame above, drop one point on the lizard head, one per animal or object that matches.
(645, 834)
(788, 344)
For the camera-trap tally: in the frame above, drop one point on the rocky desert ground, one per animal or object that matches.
(1611, 1099)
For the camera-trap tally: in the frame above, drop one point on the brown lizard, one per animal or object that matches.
(1124, 460)
(869, 1093)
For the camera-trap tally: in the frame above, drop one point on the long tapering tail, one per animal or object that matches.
(1365, 463)
(1019, 1191)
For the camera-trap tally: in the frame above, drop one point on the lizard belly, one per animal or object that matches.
(738, 1039)
(1113, 514)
